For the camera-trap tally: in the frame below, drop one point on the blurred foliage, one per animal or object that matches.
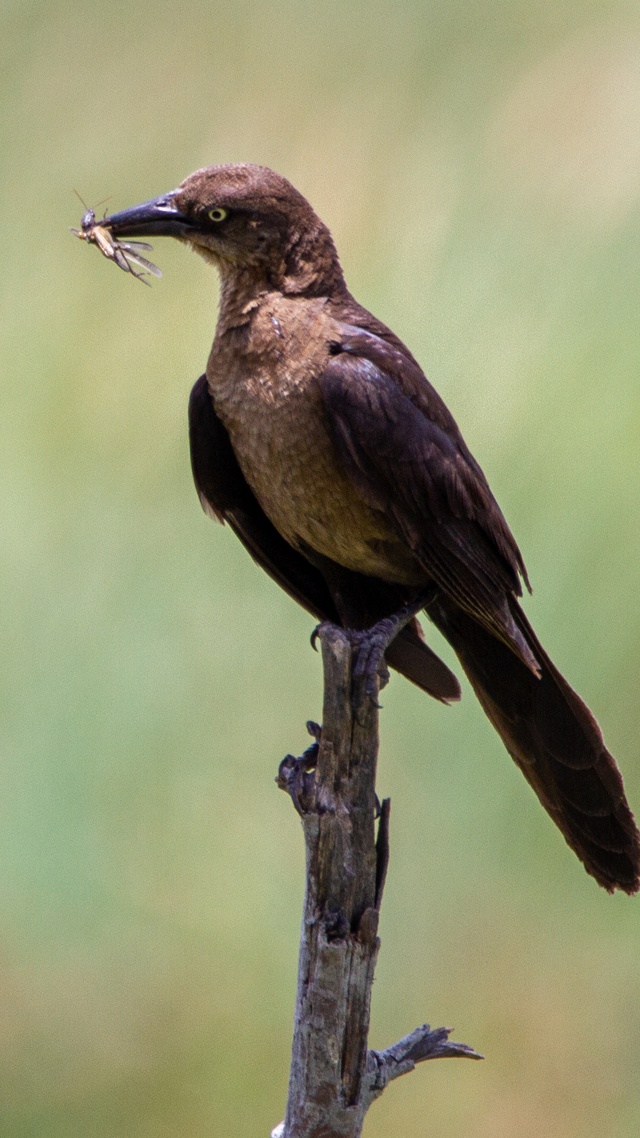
(480, 168)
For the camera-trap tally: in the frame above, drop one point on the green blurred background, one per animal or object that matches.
(479, 165)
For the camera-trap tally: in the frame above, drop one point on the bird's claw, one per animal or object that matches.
(317, 633)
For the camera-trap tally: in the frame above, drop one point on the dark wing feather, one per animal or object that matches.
(226, 496)
(372, 341)
(413, 468)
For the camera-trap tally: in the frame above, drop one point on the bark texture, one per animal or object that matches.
(334, 1077)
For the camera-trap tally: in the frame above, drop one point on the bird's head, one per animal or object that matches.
(242, 218)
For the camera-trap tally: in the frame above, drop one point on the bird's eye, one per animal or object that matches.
(217, 214)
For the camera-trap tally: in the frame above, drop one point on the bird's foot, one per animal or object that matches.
(369, 664)
(371, 644)
(368, 658)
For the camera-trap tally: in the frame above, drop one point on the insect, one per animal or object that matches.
(125, 254)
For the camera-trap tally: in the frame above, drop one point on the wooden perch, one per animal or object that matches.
(334, 1077)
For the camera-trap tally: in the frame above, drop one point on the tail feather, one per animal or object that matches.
(556, 742)
(412, 657)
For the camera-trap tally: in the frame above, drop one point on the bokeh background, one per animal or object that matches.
(479, 165)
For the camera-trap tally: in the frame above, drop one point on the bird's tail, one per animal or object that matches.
(413, 658)
(556, 742)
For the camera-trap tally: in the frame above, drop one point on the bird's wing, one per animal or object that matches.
(404, 452)
(226, 496)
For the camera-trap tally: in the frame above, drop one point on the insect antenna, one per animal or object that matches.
(96, 206)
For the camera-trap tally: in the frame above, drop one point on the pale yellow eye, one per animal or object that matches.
(217, 214)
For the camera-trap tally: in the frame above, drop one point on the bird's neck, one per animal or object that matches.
(241, 289)
(309, 268)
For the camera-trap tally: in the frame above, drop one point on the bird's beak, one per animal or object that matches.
(159, 217)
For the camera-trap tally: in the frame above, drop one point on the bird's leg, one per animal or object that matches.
(370, 644)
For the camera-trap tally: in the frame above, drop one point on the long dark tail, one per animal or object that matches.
(556, 742)
(413, 658)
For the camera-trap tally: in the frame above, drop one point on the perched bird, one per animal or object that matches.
(316, 436)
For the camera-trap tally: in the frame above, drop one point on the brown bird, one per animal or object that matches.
(316, 436)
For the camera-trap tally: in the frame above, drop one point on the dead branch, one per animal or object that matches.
(334, 1077)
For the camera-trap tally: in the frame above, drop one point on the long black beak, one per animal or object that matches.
(159, 217)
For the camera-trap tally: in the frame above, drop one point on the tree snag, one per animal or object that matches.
(334, 1077)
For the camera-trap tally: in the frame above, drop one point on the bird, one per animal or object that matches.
(316, 436)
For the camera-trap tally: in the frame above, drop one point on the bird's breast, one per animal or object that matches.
(265, 391)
